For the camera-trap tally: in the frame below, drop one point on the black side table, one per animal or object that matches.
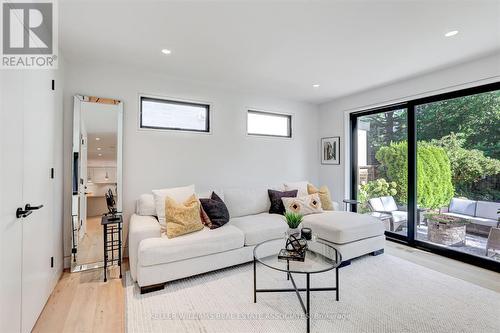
(112, 235)
(350, 202)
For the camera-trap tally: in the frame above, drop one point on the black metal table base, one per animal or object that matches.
(305, 307)
(112, 234)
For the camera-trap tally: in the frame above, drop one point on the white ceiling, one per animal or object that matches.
(282, 47)
(100, 121)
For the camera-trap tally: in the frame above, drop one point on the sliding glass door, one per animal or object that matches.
(430, 170)
(458, 178)
(381, 152)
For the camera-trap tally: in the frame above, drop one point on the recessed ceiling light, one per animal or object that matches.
(99, 154)
(97, 139)
(451, 33)
(166, 51)
(316, 85)
(99, 148)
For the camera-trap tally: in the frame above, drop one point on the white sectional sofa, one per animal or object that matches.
(156, 259)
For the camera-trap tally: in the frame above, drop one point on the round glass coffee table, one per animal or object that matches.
(320, 257)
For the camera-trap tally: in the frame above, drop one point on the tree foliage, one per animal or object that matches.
(468, 166)
(434, 185)
(476, 117)
(385, 128)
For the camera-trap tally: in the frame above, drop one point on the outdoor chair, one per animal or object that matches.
(493, 242)
(387, 205)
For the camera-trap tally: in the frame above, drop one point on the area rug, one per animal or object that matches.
(377, 294)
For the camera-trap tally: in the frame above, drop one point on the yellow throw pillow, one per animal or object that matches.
(182, 218)
(324, 196)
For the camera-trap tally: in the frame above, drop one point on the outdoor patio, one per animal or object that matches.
(474, 244)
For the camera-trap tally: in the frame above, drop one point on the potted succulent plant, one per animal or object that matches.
(293, 220)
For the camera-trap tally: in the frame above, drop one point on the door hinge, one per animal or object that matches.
(53, 84)
(51, 261)
(52, 173)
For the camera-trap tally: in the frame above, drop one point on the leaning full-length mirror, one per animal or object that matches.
(96, 168)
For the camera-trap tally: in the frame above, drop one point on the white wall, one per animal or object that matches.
(226, 157)
(334, 116)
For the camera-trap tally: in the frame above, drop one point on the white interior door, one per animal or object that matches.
(11, 197)
(37, 190)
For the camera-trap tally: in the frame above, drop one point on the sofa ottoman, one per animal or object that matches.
(351, 233)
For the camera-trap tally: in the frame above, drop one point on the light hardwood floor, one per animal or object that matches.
(82, 302)
(90, 247)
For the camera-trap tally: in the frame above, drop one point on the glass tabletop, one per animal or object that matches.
(319, 257)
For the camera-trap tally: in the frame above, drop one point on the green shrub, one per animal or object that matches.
(434, 186)
(469, 166)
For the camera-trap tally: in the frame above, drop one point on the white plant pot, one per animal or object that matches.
(291, 231)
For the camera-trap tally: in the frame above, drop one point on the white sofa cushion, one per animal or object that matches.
(487, 209)
(179, 194)
(140, 228)
(146, 205)
(301, 187)
(247, 201)
(261, 227)
(462, 206)
(343, 227)
(161, 250)
(207, 194)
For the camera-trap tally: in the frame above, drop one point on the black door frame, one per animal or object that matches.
(410, 106)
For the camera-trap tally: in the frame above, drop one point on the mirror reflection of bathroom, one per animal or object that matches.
(96, 176)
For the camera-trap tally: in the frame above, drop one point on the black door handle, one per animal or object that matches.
(28, 207)
(22, 213)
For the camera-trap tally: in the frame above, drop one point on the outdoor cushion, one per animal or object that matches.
(260, 227)
(389, 203)
(160, 250)
(463, 216)
(487, 209)
(376, 205)
(483, 221)
(343, 227)
(398, 216)
(462, 206)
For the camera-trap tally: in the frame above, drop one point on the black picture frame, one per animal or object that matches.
(330, 150)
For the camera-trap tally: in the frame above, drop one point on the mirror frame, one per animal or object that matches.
(77, 104)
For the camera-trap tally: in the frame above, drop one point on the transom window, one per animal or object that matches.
(166, 114)
(269, 124)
